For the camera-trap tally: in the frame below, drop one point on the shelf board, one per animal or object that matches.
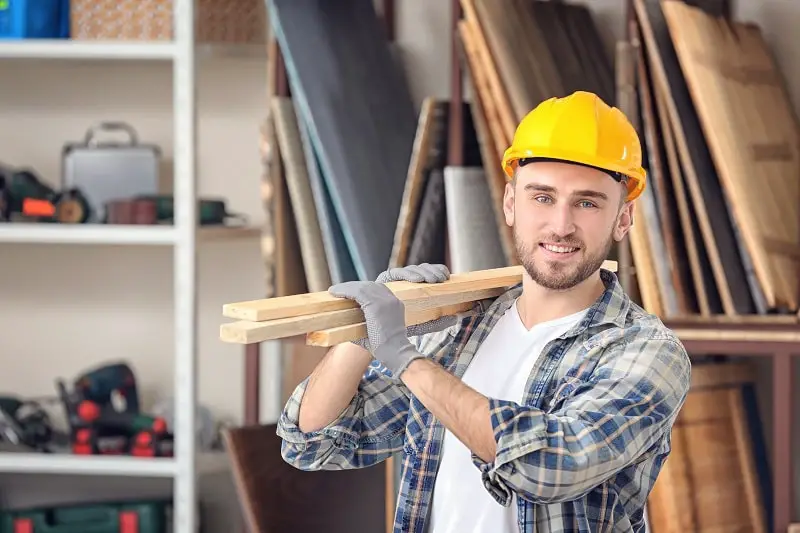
(19, 232)
(40, 463)
(119, 49)
(69, 49)
(33, 233)
(222, 233)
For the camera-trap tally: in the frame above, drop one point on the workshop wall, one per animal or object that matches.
(67, 308)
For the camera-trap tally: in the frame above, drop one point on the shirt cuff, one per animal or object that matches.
(514, 436)
(342, 430)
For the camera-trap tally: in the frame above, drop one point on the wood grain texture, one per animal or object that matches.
(340, 264)
(705, 291)
(351, 332)
(415, 181)
(638, 236)
(495, 177)
(411, 293)
(305, 212)
(365, 134)
(752, 135)
(277, 497)
(677, 278)
(701, 177)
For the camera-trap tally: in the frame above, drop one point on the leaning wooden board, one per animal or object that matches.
(699, 171)
(752, 134)
(300, 194)
(355, 99)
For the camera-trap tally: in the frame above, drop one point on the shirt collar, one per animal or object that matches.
(611, 307)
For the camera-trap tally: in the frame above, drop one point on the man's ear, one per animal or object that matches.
(508, 202)
(624, 221)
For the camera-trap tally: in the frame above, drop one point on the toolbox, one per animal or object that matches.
(34, 19)
(110, 170)
(132, 517)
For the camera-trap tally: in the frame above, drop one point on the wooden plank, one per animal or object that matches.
(752, 134)
(355, 99)
(700, 174)
(473, 35)
(305, 212)
(483, 92)
(705, 291)
(651, 297)
(340, 264)
(677, 279)
(333, 336)
(495, 177)
(415, 181)
(416, 312)
(320, 302)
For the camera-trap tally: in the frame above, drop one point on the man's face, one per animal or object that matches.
(565, 219)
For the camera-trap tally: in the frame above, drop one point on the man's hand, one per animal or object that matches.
(387, 334)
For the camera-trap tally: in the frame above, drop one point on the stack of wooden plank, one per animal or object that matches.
(717, 231)
(327, 320)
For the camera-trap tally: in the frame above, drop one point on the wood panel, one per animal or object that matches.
(278, 497)
(355, 99)
(699, 172)
(752, 135)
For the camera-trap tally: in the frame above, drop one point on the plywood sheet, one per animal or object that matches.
(432, 114)
(277, 496)
(356, 101)
(752, 135)
(699, 172)
(305, 211)
(472, 229)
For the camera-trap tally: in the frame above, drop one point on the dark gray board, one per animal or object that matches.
(356, 102)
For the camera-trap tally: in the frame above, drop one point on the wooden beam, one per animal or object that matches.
(327, 319)
(334, 336)
(412, 294)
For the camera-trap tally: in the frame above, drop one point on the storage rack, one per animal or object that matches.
(183, 237)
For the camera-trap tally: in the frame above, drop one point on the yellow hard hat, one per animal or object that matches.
(580, 128)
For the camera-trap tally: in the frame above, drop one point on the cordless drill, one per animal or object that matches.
(98, 426)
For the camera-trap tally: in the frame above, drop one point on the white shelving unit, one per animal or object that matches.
(183, 236)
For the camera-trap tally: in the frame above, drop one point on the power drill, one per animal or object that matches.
(98, 426)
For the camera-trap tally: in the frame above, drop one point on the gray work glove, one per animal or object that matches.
(387, 334)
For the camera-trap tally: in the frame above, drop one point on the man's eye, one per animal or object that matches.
(587, 203)
(542, 199)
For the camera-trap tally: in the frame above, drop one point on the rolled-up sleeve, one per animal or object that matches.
(603, 425)
(370, 429)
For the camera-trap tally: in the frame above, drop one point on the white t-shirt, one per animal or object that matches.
(500, 369)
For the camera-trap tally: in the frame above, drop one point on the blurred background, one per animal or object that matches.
(161, 158)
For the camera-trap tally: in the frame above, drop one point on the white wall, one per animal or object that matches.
(60, 304)
(65, 308)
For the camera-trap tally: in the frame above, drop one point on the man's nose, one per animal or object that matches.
(563, 222)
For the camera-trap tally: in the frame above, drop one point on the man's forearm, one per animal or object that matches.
(461, 409)
(332, 385)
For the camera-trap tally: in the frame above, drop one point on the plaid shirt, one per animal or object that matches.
(582, 451)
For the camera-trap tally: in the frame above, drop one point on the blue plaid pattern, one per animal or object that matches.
(582, 451)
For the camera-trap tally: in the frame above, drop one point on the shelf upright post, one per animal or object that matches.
(185, 267)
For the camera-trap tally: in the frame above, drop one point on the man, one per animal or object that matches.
(550, 409)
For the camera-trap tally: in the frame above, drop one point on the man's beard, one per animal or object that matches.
(560, 277)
